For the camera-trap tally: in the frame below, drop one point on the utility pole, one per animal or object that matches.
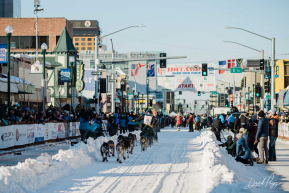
(273, 74)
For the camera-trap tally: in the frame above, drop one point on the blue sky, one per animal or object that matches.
(194, 28)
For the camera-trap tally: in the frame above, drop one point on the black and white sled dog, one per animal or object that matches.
(144, 143)
(120, 138)
(131, 143)
(120, 149)
(111, 147)
(150, 141)
(104, 149)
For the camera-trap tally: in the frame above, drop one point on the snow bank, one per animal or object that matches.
(36, 173)
(214, 163)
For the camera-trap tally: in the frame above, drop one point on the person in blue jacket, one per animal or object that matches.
(242, 145)
(131, 124)
(231, 121)
(223, 121)
(198, 122)
(122, 124)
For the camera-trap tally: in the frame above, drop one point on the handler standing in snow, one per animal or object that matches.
(179, 121)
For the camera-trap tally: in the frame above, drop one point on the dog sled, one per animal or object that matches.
(149, 132)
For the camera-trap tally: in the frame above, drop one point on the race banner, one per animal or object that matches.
(187, 83)
(20, 135)
(60, 131)
(181, 70)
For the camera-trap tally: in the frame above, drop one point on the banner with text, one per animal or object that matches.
(181, 70)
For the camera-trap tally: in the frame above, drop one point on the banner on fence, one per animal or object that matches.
(77, 128)
(30, 133)
(7, 137)
(60, 131)
(20, 137)
(52, 130)
(72, 129)
(39, 133)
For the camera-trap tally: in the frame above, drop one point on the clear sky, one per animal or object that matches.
(194, 28)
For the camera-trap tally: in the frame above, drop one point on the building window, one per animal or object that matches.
(25, 42)
(76, 39)
(57, 38)
(83, 33)
(76, 32)
(159, 95)
(83, 43)
(76, 44)
(82, 39)
(89, 48)
(89, 39)
(89, 44)
(77, 48)
(82, 48)
(92, 64)
(180, 92)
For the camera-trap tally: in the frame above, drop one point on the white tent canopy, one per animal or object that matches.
(173, 114)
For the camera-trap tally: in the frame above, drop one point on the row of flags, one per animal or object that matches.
(136, 67)
(231, 63)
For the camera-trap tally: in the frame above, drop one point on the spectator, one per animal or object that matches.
(262, 137)
(252, 130)
(273, 128)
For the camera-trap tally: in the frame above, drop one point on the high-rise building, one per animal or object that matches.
(84, 32)
(10, 8)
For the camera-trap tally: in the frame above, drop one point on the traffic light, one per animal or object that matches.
(102, 83)
(199, 93)
(267, 87)
(195, 102)
(151, 102)
(226, 103)
(205, 69)
(258, 90)
(163, 63)
(206, 102)
(229, 92)
(231, 103)
(262, 64)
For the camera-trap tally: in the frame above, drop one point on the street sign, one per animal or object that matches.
(214, 93)
(3, 53)
(135, 98)
(96, 73)
(112, 80)
(236, 70)
(268, 96)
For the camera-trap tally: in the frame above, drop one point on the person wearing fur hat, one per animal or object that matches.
(262, 137)
(273, 133)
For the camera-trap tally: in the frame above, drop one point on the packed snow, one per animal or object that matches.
(180, 162)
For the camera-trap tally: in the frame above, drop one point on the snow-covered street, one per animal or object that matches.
(181, 162)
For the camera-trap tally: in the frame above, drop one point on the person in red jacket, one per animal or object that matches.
(179, 120)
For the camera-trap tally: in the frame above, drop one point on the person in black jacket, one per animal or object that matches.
(237, 126)
(217, 127)
(273, 133)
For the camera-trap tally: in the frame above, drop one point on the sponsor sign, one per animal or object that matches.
(72, 129)
(7, 136)
(20, 137)
(30, 133)
(130, 96)
(192, 83)
(77, 128)
(79, 76)
(3, 53)
(52, 130)
(64, 75)
(60, 131)
(39, 133)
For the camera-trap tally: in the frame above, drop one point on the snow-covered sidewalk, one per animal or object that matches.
(181, 162)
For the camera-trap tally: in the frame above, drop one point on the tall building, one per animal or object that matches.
(10, 8)
(84, 32)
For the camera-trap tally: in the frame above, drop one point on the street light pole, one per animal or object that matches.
(71, 60)
(272, 62)
(44, 48)
(142, 101)
(127, 90)
(97, 61)
(36, 10)
(8, 31)
(262, 71)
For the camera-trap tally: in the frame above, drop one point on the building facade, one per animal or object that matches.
(84, 32)
(10, 8)
(23, 38)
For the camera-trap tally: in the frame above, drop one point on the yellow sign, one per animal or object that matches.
(79, 74)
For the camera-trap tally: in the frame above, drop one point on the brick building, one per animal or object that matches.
(24, 34)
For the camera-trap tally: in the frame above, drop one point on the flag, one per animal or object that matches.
(151, 71)
(240, 63)
(135, 69)
(231, 63)
(222, 64)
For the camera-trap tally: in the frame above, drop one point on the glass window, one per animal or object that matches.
(286, 69)
(76, 39)
(76, 44)
(82, 39)
(57, 38)
(286, 83)
(3, 40)
(180, 92)
(89, 48)
(89, 39)
(14, 42)
(83, 33)
(82, 48)
(92, 64)
(89, 44)
(76, 32)
(89, 33)
(77, 48)
(95, 33)
(83, 43)
(43, 39)
(24, 42)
